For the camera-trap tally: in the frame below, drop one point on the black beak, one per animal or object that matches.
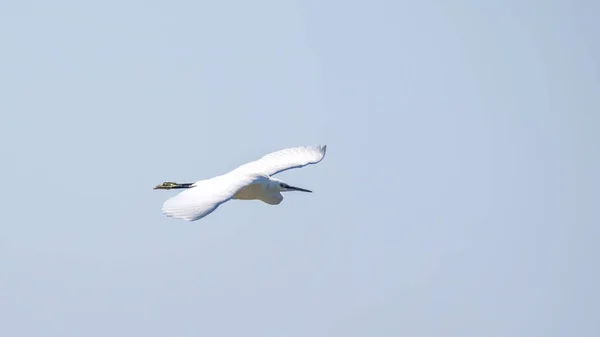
(298, 189)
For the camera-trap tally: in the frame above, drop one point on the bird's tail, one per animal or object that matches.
(167, 185)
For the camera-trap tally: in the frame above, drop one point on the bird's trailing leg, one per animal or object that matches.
(167, 185)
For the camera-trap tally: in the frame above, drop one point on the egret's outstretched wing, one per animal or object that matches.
(206, 195)
(285, 159)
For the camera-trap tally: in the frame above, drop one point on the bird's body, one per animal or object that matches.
(251, 181)
(260, 191)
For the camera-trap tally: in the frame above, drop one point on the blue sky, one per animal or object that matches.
(456, 198)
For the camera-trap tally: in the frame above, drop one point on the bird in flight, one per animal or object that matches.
(251, 181)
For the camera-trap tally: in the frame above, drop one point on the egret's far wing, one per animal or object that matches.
(285, 159)
(206, 195)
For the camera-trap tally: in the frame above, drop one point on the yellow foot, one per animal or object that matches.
(167, 185)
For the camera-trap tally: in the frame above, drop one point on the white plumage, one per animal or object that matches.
(251, 181)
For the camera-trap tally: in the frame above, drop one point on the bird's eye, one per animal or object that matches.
(281, 185)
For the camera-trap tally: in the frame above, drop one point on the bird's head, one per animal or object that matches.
(284, 187)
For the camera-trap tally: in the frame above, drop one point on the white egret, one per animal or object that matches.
(251, 181)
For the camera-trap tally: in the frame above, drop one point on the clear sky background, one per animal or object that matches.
(457, 198)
